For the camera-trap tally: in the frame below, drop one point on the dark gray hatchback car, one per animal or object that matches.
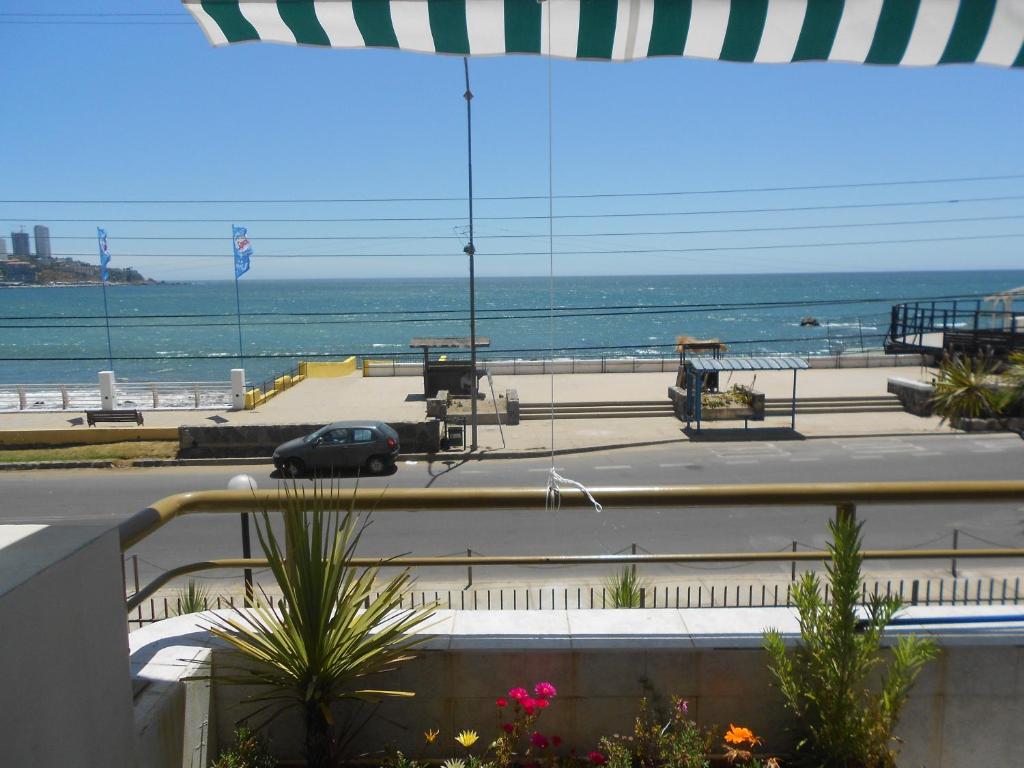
(372, 445)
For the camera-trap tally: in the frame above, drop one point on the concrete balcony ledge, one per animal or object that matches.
(160, 651)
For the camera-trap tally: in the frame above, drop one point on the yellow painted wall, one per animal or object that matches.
(327, 370)
(10, 438)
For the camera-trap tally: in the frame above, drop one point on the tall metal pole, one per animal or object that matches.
(470, 251)
(106, 316)
(238, 315)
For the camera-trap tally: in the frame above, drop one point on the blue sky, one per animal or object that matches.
(130, 112)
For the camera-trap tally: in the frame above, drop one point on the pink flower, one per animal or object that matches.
(507, 727)
(528, 706)
(541, 703)
(596, 758)
(544, 690)
(518, 694)
(538, 740)
(502, 703)
(684, 707)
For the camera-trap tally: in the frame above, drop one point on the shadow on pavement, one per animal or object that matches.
(740, 435)
(346, 472)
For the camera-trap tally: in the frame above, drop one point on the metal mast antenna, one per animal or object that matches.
(470, 251)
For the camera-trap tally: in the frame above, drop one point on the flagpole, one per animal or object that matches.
(238, 315)
(470, 251)
(106, 315)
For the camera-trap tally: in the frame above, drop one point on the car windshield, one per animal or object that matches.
(315, 435)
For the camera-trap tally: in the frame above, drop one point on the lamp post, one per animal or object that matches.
(470, 250)
(245, 483)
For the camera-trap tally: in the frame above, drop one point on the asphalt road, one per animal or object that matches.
(105, 497)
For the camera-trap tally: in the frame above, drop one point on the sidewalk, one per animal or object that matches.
(401, 399)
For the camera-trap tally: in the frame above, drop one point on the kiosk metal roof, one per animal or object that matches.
(747, 364)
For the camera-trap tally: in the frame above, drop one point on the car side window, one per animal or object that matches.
(362, 435)
(336, 437)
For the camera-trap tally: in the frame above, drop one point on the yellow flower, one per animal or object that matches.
(467, 738)
(430, 736)
(454, 762)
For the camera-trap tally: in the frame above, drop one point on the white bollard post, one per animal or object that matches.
(108, 394)
(237, 389)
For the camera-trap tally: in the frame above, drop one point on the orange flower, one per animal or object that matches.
(739, 735)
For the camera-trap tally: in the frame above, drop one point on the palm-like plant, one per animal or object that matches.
(193, 599)
(966, 389)
(626, 588)
(827, 682)
(328, 631)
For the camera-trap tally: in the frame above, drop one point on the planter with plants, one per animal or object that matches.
(978, 393)
(737, 402)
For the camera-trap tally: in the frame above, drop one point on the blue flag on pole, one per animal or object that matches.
(101, 236)
(242, 248)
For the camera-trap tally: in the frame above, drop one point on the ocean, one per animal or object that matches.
(188, 331)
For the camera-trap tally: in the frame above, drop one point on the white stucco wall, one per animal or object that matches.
(65, 690)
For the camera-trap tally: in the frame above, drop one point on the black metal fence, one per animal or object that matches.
(913, 591)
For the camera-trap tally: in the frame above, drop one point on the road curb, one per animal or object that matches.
(25, 465)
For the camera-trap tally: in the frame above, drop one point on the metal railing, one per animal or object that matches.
(269, 386)
(184, 395)
(844, 497)
(911, 322)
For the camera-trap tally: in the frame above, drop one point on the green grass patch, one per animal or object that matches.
(150, 449)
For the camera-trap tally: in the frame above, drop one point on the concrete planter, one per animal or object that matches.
(752, 412)
(1012, 424)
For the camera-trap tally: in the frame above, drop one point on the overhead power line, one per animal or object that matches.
(626, 251)
(905, 222)
(489, 354)
(705, 212)
(557, 308)
(581, 196)
(412, 317)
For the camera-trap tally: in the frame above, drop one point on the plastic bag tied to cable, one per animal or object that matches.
(553, 499)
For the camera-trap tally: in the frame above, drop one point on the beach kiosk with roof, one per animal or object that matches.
(697, 370)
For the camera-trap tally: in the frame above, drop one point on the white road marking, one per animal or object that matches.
(806, 458)
(865, 457)
(739, 461)
(678, 464)
(545, 469)
(615, 466)
(474, 472)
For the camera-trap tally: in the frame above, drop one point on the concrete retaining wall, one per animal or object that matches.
(915, 396)
(260, 440)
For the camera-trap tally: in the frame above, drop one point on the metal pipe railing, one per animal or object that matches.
(842, 496)
(145, 522)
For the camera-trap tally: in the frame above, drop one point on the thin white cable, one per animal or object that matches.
(553, 498)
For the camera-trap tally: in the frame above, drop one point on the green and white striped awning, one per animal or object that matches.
(897, 32)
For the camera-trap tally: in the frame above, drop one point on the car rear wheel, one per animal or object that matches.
(295, 467)
(376, 465)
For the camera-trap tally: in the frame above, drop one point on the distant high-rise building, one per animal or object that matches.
(21, 246)
(3, 247)
(42, 237)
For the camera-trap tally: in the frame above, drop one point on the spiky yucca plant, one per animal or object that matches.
(625, 588)
(845, 719)
(966, 389)
(314, 646)
(193, 598)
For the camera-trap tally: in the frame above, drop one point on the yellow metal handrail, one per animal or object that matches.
(842, 496)
(143, 523)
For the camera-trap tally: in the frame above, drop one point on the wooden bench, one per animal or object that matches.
(120, 416)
